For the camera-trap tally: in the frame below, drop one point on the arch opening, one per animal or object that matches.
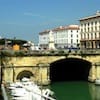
(24, 73)
(70, 69)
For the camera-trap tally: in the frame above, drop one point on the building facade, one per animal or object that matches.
(65, 37)
(44, 39)
(90, 32)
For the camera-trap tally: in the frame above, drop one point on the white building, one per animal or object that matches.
(64, 37)
(44, 39)
(90, 31)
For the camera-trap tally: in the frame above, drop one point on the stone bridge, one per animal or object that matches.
(41, 68)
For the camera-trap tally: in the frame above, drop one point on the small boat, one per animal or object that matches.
(97, 81)
(15, 85)
(26, 88)
(18, 92)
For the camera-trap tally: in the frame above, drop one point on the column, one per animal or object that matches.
(43, 75)
(98, 71)
(92, 73)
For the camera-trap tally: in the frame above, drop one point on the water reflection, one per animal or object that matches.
(94, 91)
(72, 90)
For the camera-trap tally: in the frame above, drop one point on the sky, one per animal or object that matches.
(25, 19)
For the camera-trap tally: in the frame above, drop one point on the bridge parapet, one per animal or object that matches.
(79, 52)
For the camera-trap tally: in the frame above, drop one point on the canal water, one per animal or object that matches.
(78, 90)
(75, 90)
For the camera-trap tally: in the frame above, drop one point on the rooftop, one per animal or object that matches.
(97, 14)
(70, 27)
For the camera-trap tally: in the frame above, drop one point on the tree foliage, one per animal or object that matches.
(12, 41)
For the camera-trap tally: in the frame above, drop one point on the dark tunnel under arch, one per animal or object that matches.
(24, 73)
(70, 69)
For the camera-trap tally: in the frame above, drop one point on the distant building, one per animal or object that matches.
(16, 47)
(65, 37)
(29, 46)
(44, 39)
(90, 31)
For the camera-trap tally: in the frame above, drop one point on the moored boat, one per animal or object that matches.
(27, 90)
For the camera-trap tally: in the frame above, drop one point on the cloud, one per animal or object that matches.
(54, 21)
(34, 15)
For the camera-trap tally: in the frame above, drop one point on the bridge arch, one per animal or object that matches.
(70, 69)
(24, 73)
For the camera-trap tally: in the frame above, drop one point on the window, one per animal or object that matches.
(71, 41)
(91, 28)
(84, 36)
(95, 28)
(81, 36)
(81, 30)
(85, 29)
(95, 22)
(91, 23)
(91, 35)
(77, 40)
(77, 35)
(88, 24)
(81, 24)
(88, 35)
(95, 35)
(71, 35)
